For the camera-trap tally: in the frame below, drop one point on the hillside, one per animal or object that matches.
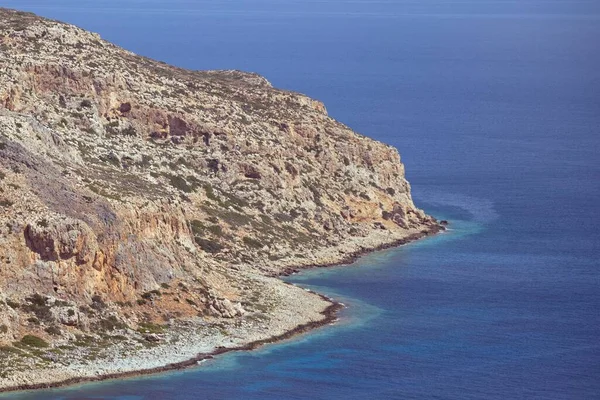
(146, 210)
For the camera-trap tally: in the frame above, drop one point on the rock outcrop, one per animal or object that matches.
(134, 192)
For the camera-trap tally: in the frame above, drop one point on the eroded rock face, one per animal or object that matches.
(70, 316)
(61, 240)
(121, 175)
(225, 308)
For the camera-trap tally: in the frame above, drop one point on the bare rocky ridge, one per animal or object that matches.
(146, 208)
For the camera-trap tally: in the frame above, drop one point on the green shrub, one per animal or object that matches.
(10, 350)
(85, 309)
(53, 330)
(250, 242)
(84, 340)
(38, 299)
(149, 327)
(191, 302)
(208, 245)
(234, 218)
(37, 305)
(129, 131)
(210, 193)
(179, 183)
(12, 304)
(34, 341)
(97, 303)
(365, 196)
(197, 227)
(111, 323)
(153, 293)
(280, 217)
(111, 159)
(216, 230)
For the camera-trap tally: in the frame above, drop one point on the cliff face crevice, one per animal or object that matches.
(121, 175)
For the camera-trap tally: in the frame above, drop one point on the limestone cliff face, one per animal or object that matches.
(120, 174)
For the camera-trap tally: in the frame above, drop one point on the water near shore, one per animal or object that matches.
(495, 108)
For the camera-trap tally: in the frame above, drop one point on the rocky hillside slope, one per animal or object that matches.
(134, 193)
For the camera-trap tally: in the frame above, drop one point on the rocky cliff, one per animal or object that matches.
(135, 196)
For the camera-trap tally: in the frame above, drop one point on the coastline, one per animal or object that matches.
(354, 256)
(329, 315)
(152, 209)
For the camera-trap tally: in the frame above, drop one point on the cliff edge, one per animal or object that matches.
(145, 210)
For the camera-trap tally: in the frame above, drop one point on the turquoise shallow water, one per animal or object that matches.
(495, 108)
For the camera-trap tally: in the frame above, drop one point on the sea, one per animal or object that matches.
(494, 106)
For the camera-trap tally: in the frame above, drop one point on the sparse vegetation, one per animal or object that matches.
(97, 303)
(129, 131)
(9, 350)
(12, 304)
(34, 341)
(216, 230)
(245, 164)
(53, 330)
(151, 294)
(191, 302)
(210, 246)
(149, 327)
(111, 323)
(253, 243)
(180, 183)
(38, 306)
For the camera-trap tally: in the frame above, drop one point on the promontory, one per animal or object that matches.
(147, 210)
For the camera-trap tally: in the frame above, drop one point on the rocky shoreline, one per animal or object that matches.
(354, 256)
(329, 315)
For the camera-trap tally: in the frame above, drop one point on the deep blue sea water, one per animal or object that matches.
(495, 107)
